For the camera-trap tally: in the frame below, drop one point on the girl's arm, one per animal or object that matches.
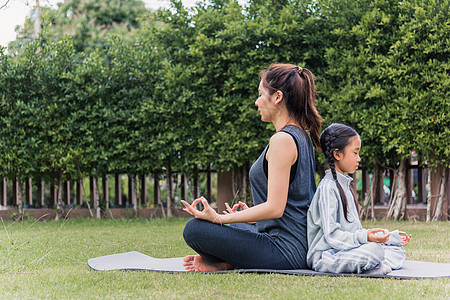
(281, 155)
(326, 217)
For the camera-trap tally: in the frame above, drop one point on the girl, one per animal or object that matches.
(337, 242)
(283, 184)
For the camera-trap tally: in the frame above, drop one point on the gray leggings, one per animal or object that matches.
(238, 244)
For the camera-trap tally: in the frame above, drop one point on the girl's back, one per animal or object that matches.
(327, 225)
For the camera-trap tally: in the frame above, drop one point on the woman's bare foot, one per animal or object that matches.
(197, 263)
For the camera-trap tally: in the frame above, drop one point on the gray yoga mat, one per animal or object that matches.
(137, 261)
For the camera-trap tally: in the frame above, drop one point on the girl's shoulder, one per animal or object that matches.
(327, 188)
(326, 183)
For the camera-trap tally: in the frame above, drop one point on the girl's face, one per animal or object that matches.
(266, 103)
(347, 161)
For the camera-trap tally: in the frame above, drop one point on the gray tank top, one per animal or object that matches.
(288, 233)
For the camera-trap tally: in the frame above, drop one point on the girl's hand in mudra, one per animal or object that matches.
(378, 235)
(404, 238)
(208, 213)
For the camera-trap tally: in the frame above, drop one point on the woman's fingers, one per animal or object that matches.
(191, 208)
(185, 204)
(204, 202)
(188, 208)
(229, 209)
(207, 213)
(243, 205)
(235, 207)
(196, 201)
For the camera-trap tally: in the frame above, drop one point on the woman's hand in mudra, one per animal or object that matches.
(232, 210)
(208, 213)
(235, 207)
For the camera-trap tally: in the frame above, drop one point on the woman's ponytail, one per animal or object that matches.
(313, 119)
(297, 86)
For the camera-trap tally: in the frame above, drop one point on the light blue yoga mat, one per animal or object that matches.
(138, 261)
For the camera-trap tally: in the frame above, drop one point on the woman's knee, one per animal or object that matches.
(192, 229)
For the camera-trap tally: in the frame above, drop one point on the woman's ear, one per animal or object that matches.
(278, 97)
(337, 154)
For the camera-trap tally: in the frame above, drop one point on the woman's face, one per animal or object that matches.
(266, 103)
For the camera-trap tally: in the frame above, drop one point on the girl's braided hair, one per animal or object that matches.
(335, 138)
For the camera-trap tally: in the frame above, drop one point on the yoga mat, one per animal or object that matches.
(138, 261)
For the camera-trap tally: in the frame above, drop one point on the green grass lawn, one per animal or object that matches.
(48, 260)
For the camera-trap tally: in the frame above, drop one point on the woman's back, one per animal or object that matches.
(289, 231)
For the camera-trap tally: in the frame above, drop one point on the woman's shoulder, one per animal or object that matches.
(290, 134)
(283, 140)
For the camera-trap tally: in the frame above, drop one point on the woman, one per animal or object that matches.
(283, 184)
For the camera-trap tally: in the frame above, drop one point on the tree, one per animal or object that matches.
(89, 22)
(377, 79)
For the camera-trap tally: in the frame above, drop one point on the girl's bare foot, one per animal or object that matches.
(197, 263)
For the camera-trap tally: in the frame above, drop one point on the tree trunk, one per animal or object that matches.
(441, 196)
(430, 195)
(40, 196)
(224, 189)
(397, 203)
(374, 190)
(353, 188)
(84, 196)
(105, 189)
(183, 187)
(244, 182)
(143, 192)
(95, 196)
(157, 193)
(59, 202)
(29, 192)
(18, 195)
(169, 190)
(132, 191)
(367, 210)
(175, 186)
(209, 184)
(234, 186)
(197, 192)
(3, 193)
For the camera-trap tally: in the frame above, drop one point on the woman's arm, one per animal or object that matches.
(281, 155)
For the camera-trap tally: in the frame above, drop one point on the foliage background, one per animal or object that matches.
(133, 91)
